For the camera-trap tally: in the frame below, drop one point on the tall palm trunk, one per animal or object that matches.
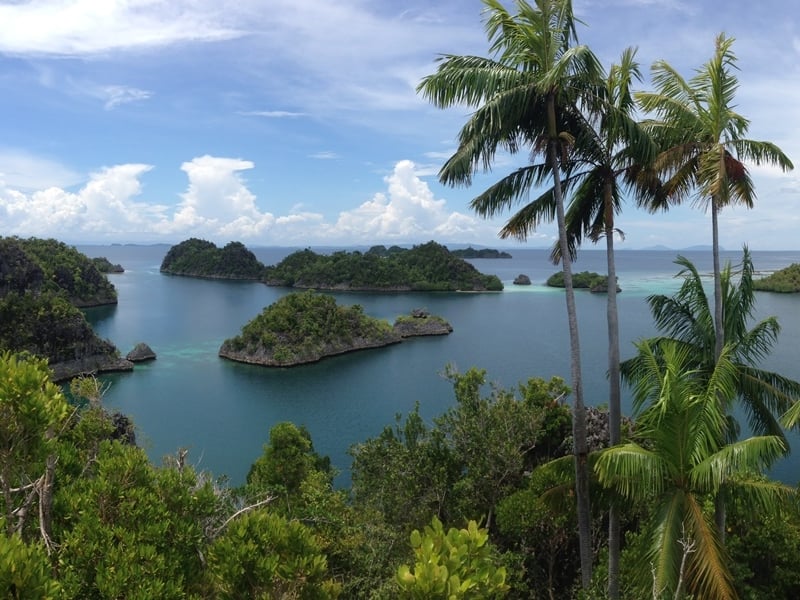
(579, 413)
(719, 340)
(614, 403)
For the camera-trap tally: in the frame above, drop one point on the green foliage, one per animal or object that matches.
(32, 410)
(543, 535)
(106, 266)
(128, 529)
(25, 571)
(763, 547)
(426, 267)
(481, 253)
(303, 327)
(55, 267)
(47, 325)
(786, 281)
(263, 555)
(41, 284)
(453, 565)
(584, 279)
(288, 461)
(201, 258)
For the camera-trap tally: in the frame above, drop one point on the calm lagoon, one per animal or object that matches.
(222, 411)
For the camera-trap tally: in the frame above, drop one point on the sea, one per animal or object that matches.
(222, 411)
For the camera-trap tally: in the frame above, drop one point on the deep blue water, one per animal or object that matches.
(222, 411)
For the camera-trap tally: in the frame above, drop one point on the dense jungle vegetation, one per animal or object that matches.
(425, 267)
(480, 253)
(467, 506)
(785, 281)
(42, 282)
(304, 327)
(200, 258)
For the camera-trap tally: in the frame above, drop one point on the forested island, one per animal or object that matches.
(785, 281)
(481, 253)
(42, 285)
(200, 258)
(594, 282)
(305, 327)
(425, 267)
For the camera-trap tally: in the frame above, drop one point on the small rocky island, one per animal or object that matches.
(594, 282)
(522, 279)
(200, 258)
(305, 327)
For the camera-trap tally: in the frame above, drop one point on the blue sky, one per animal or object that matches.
(296, 122)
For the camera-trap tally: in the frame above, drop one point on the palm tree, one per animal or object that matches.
(704, 147)
(611, 154)
(681, 460)
(528, 96)
(687, 319)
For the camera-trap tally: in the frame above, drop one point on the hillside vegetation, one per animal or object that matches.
(786, 281)
(200, 258)
(52, 266)
(426, 267)
(42, 284)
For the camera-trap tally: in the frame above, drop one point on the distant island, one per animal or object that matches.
(594, 282)
(482, 253)
(305, 327)
(200, 258)
(785, 281)
(426, 267)
(42, 284)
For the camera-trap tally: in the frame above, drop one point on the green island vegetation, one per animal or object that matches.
(42, 284)
(425, 267)
(306, 327)
(480, 253)
(106, 266)
(473, 504)
(785, 281)
(594, 282)
(200, 258)
(51, 266)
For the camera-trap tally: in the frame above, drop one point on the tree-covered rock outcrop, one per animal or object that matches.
(594, 282)
(35, 264)
(42, 282)
(426, 267)
(306, 327)
(786, 281)
(106, 266)
(200, 258)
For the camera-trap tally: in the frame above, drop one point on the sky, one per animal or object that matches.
(297, 122)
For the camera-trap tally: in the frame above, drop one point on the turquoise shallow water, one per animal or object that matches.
(223, 411)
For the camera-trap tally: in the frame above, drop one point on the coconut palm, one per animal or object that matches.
(611, 154)
(529, 95)
(686, 319)
(680, 460)
(704, 146)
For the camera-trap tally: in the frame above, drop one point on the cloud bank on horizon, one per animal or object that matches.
(154, 121)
